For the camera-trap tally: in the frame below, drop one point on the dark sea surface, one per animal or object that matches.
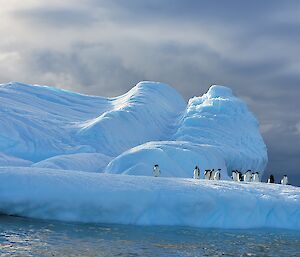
(29, 237)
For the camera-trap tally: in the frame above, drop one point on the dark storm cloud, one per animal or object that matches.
(251, 46)
(93, 66)
(226, 11)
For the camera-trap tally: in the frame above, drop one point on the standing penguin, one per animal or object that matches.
(239, 176)
(217, 175)
(252, 176)
(234, 175)
(196, 173)
(284, 180)
(207, 174)
(255, 177)
(156, 171)
(212, 174)
(271, 179)
(247, 176)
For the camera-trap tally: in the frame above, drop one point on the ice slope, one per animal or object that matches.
(216, 128)
(89, 162)
(6, 160)
(38, 122)
(146, 113)
(144, 200)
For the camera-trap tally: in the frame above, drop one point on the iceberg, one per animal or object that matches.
(74, 157)
(151, 123)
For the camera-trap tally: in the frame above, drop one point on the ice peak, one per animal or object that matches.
(216, 91)
(152, 85)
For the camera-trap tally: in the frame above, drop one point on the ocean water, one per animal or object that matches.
(29, 237)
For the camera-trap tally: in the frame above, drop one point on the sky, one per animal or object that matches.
(105, 47)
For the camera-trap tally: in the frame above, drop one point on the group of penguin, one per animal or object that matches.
(254, 177)
(211, 174)
(248, 176)
(237, 176)
(283, 181)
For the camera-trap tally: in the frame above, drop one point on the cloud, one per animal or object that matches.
(57, 17)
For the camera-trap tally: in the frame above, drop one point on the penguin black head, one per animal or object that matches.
(196, 167)
(156, 165)
(256, 172)
(219, 169)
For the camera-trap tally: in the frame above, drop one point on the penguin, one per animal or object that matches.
(255, 177)
(234, 175)
(284, 180)
(212, 174)
(271, 179)
(217, 175)
(207, 174)
(156, 171)
(247, 176)
(239, 176)
(196, 173)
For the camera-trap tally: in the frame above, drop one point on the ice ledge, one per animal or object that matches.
(106, 198)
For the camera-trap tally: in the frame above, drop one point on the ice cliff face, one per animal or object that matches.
(129, 134)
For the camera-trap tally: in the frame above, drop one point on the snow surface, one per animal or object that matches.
(73, 153)
(144, 200)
